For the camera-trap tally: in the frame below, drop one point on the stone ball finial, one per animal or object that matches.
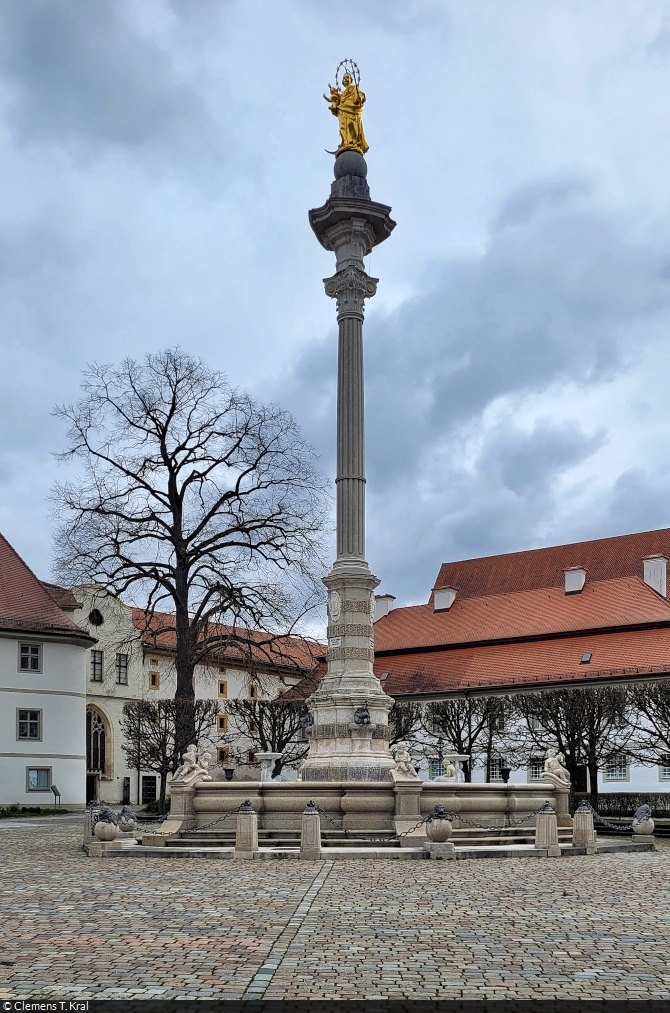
(350, 163)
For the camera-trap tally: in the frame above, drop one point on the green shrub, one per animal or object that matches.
(154, 807)
(625, 803)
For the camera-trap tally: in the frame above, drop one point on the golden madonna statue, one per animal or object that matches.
(347, 104)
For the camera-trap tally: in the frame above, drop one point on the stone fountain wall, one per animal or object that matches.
(362, 805)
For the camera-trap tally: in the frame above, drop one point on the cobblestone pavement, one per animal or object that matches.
(77, 927)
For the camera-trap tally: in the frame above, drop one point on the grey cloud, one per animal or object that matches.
(550, 302)
(524, 203)
(527, 463)
(79, 69)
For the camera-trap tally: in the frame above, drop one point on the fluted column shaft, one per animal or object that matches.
(350, 479)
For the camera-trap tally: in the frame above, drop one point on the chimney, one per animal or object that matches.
(383, 605)
(654, 572)
(443, 599)
(575, 577)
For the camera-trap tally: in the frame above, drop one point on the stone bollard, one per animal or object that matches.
(246, 834)
(643, 825)
(584, 834)
(438, 832)
(310, 836)
(546, 831)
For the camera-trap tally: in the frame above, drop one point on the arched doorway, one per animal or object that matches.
(97, 745)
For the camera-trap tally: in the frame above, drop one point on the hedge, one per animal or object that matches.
(625, 803)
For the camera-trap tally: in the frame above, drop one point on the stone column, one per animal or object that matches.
(546, 831)
(310, 836)
(246, 833)
(584, 835)
(349, 711)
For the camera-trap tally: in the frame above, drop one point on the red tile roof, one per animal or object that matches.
(608, 603)
(296, 653)
(63, 596)
(603, 559)
(524, 664)
(26, 605)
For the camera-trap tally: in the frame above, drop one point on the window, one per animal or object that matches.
(534, 723)
(154, 680)
(148, 789)
(497, 722)
(29, 725)
(664, 768)
(586, 658)
(253, 691)
(617, 768)
(30, 657)
(536, 768)
(497, 763)
(96, 666)
(222, 723)
(122, 669)
(251, 755)
(223, 688)
(38, 779)
(153, 662)
(223, 755)
(95, 742)
(253, 728)
(435, 769)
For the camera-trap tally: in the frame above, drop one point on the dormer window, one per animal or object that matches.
(575, 578)
(444, 598)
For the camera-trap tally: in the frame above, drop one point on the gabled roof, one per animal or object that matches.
(603, 559)
(512, 625)
(26, 605)
(543, 612)
(238, 645)
(522, 665)
(63, 596)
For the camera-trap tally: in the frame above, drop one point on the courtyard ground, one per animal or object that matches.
(76, 927)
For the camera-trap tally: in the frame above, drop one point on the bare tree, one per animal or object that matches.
(465, 723)
(201, 504)
(587, 724)
(651, 702)
(406, 721)
(149, 728)
(272, 726)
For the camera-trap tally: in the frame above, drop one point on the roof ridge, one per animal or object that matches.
(562, 545)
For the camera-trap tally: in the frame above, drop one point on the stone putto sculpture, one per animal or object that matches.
(403, 765)
(347, 104)
(194, 767)
(553, 767)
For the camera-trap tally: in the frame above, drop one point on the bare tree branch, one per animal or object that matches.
(202, 505)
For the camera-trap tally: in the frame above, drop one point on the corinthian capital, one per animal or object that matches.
(350, 287)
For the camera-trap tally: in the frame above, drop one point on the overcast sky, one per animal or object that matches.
(159, 158)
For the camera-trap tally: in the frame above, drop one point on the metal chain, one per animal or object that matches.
(196, 830)
(450, 815)
(358, 837)
(612, 826)
(481, 826)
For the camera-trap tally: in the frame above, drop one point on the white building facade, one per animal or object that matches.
(122, 667)
(43, 657)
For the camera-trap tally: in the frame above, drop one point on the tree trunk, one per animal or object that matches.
(184, 665)
(593, 778)
(278, 767)
(161, 799)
